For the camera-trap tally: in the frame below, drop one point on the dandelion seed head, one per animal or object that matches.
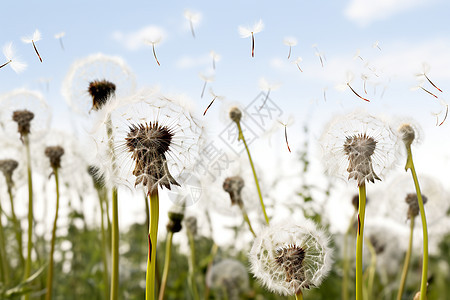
(54, 154)
(410, 132)
(228, 278)
(23, 119)
(233, 186)
(292, 256)
(360, 145)
(413, 204)
(7, 166)
(235, 114)
(101, 91)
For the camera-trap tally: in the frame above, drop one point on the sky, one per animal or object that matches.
(378, 47)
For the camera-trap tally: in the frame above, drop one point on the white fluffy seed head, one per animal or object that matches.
(228, 279)
(291, 256)
(359, 146)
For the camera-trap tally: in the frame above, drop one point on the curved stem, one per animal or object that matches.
(247, 220)
(346, 263)
(241, 137)
(17, 227)
(27, 271)
(359, 240)
(423, 285)
(166, 265)
(407, 260)
(192, 265)
(115, 246)
(48, 295)
(152, 240)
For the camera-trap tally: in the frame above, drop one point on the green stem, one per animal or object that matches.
(152, 242)
(17, 227)
(115, 247)
(247, 220)
(3, 254)
(48, 295)
(241, 137)
(346, 262)
(214, 249)
(27, 270)
(359, 240)
(299, 295)
(100, 192)
(407, 260)
(372, 268)
(192, 265)
(423, 285)
(166, 265)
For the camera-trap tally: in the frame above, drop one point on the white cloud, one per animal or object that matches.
(367, 11)
(136, 40)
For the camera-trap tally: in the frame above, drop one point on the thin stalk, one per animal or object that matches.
(410, 165)
(299, 295)
(192, 281)
(16, 223)
(3, 254)
(102, 199)
(27, 270)
(247, 220)
(210, 263)
(115, 247)
(407, 260)
(241, 137)
(346, 262)
(48, 295)
(372, 268)
(359, 241)
(152, 240)
(166, 265)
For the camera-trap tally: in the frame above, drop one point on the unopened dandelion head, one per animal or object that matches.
(233, 186)
(410, 132)
(235, 114)
(23, 119)
(360, 145)
(7, 166)
(54, 154)
(287, 258)
(176, 216)
(413, 204)
(101, 91)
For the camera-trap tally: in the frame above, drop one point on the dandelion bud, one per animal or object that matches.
(54, 153)
(233, 186)
(413, 204)
(23, 119)
(235, 114)
(191, 224)
(7, 166)
(378, 244)
(176, 216)
(289, 257)
(407, 134)
(101, 91)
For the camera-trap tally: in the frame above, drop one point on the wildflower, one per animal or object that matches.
(287, 258)
(235, 114)
(15, 64)
(100, 68)
(233, 186)
(7, 166)
(290, 41)
(410, 132)
(360, 144)
(23, 119)
(245, 32)
(101, 91)
(54, 154)
(176, 216)
(32, 40)
(228, 278)
(193, 18)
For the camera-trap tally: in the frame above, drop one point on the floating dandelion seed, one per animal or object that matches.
(287, 258)
(325, 94)
(215, 58)
(364, 78)
(206, 78)
(193, 18)
(376, 45)
(350, 77)
(245, 32)
(320, 55)
(291, 42)
(15, 64)
(443, 104)
(32, 40)
(212, 101)
(153, 43)
(285, 125)
(426, 69)
(357, 55)
(59, 37)
(266, 86)
(297, 63)
(419, 86)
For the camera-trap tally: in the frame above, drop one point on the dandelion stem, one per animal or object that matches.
(36, 50)
(115, 246)
(6, 63)
(241, 137)
(247, 220)
(407, 260)
(192, 264)
(253, 45)
(27, 271)
(410, 165)
(265, 100)
(214, 249)
(299, 295)
(3, 254)
(101, 197)
(154, 54)
(152, 240)
(372, 268)
(359, 240)
(48, 295)
(346, 264)
(166, 264)
(16, 222)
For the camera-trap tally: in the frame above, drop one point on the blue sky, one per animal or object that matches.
(409, 33)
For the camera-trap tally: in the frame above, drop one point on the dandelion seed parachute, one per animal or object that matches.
(16, 64)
